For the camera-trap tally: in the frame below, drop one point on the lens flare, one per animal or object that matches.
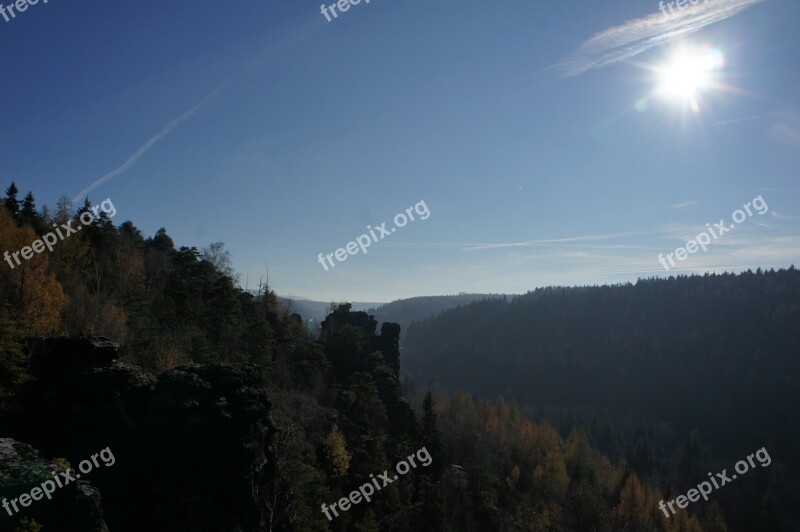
(688, 73)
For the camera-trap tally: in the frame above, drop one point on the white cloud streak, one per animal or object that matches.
(261, 60)
(166, 130)
(782, 216)
(527, 243)
(619, 43)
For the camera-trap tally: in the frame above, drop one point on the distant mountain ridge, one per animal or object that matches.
(405, 311)
(400, 311)
(316, 311)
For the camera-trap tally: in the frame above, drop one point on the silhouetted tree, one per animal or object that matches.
(11, 202)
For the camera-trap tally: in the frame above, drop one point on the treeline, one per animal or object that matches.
(166, 306)
(404, 311)
(680, 376)
(336, 399)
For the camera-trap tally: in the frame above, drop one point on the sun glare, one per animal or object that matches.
(688, 73)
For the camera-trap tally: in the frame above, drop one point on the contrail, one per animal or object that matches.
(166, 130)
(257, 63)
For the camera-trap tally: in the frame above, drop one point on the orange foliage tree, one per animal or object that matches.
(30, 290)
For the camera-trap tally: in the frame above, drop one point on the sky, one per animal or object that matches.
(551, 143)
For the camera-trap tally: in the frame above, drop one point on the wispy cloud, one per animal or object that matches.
(528, 243)
(736, 120)
(684, 204)
(636, 36)
(786, 113)
(764, 251)
(679, 234)
(781, 216)
(525, 243)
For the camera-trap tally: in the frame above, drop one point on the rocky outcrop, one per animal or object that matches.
(51, 356)
(351, 353)
(390, 346)
(76, 507)
(191, 447)
(215, 419)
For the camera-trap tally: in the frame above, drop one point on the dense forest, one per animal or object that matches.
(335, 398)
(679, 376)
(404, 311)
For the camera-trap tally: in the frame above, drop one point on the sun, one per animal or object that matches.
(684, 77)
(689, 72)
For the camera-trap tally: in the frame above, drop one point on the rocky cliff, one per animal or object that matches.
(192, 447)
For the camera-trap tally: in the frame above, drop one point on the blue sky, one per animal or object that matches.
(264, 126)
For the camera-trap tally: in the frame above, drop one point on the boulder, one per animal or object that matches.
(191, 447)
(75, 507)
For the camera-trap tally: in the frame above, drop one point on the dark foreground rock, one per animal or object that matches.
(76, 507)
(191, 447)
(50, 356)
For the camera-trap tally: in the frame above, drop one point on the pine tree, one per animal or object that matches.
(429, 433)
(28, 215)
(11, 202)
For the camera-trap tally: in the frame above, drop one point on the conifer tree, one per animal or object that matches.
(11, 202)
(29, 216)
(431, 437)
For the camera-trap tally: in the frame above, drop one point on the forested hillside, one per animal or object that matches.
(405, 311)
(335, 402)
(682, 376)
